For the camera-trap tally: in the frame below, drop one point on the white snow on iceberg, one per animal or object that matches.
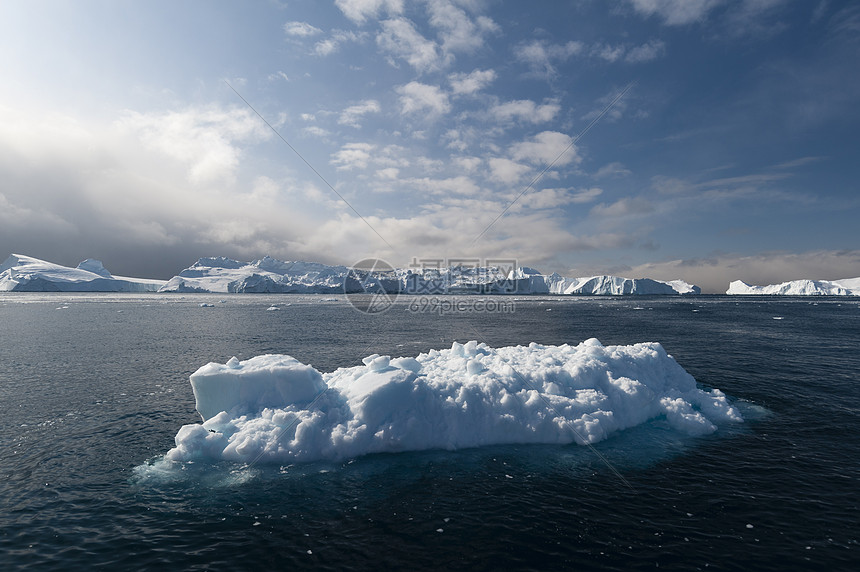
(274, 408)
(845, 287)
(27, 274)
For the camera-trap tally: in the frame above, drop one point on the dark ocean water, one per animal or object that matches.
(93, 389)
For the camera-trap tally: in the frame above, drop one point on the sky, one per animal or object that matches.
(707, 140)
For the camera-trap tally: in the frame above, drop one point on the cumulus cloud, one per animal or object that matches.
(545, 148)
(333, 43)
(525, 110)
(359, 11)
(646, 52)
(539, 55)
(608, 52)
(506, 171)
(419, 97)
(468, 84)
(401, 40)
(352, 115)
(457, 30)
(353, 156)
(447, 186)
(388, 173)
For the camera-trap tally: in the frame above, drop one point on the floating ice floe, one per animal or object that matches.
(273, 408)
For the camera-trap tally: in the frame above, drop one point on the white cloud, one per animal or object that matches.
(316, 131)
(333, 43)
(278, 75)
(401, 40)
(301, 29)
(676, 12)
(352, 115)
(586, 195)
(468, 84)
(539, 55)
(460, 185)
(204, 139)
(546, 147)
(525, 110)
(506, 171)
(419, 97)
(468, 164)
(457, 31)
(646, 52)
(389, 173)
(608, 52)
(359, 11)
(353, 156)
(455, 140)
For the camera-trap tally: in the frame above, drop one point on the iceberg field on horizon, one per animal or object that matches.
(275, 409)
(21, 273)
(844, 287)
(269, 275)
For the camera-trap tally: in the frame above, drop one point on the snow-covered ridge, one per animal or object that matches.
(273, 408)
(21, 273)
(846, 287)
(271, 275)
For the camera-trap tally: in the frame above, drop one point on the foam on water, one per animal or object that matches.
(275, 409)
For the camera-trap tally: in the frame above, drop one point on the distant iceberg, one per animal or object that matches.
(266, 275)
(224, 275)
(276, 409)
(846, 287)
(27, 274)
(536, 283)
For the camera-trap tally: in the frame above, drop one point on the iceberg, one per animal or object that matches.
(273, 408)
(845, 287)
(21, 273)
(269, 275)
(534, 282)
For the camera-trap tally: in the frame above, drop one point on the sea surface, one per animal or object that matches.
(93, 389)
